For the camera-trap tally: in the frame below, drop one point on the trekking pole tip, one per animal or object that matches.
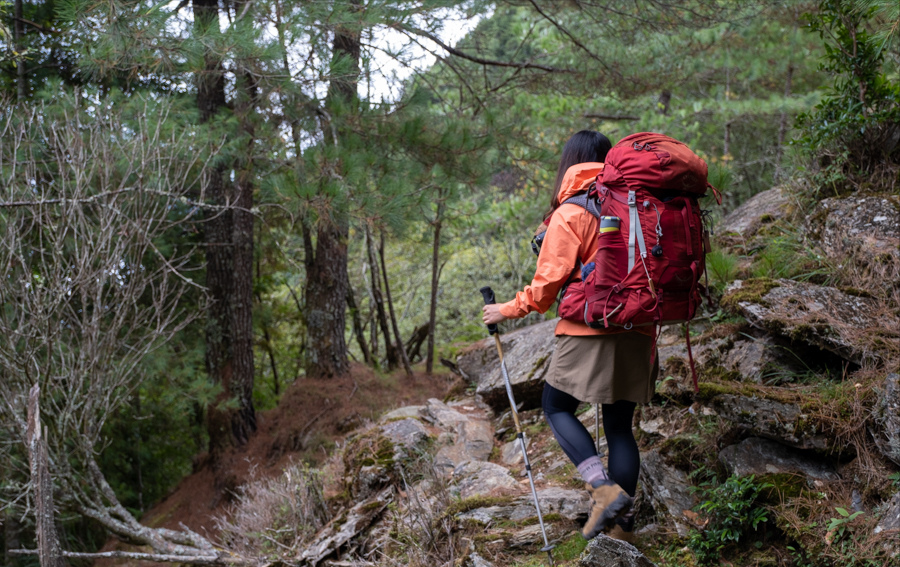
(549, 550)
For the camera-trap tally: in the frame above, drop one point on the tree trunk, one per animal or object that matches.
(357, 326)
(49, 550)
(229, 269)
(19, 34)
(326, 302)
(326, 270)
(435, 257)
(389, 347)
(387, 291)
(782, 128)
(243, 423)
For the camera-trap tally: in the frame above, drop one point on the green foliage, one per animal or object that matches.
(152, 440)
(854, 128)
(840, 526)
(732, 511)
(787, 255)
(722, 267)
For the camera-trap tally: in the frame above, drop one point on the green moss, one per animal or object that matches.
(719, 373)
(511, 524)
(476, 502)
(808, 332)
(489, 537)
(539, 363)
(570, 548)
(783, 486)
(751, 291)
(372, 506)
(710, 390)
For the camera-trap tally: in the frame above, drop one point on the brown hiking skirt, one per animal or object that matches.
(603, 369)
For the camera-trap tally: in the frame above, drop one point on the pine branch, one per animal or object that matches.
(566, 32)
(473, 58)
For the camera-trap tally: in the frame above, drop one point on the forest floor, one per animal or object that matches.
(311, 417)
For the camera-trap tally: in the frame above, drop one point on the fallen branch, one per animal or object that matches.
(184, 559)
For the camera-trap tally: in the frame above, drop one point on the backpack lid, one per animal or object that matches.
(655, 161)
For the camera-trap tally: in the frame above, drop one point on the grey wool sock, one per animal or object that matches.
(593, 472)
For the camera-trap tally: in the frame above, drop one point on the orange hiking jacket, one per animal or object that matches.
(571, 236)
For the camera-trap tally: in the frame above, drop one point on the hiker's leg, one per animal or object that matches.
(575, 440)
(624, 457)
(608, 500)
(572, 435)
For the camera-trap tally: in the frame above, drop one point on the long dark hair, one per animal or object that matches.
(584, 146)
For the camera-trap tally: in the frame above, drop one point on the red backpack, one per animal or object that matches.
(651, 236)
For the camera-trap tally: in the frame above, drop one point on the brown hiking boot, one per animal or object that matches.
(608, 501)
(618, 532)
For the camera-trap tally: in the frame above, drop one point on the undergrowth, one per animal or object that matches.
(730, 514)
(825, 531)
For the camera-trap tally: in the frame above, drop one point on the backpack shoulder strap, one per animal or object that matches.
(586, 202)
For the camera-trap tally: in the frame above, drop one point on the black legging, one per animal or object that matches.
(577, 443)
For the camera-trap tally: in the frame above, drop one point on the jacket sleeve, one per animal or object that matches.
(559, 256)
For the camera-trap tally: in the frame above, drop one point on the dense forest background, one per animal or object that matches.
(203, 202)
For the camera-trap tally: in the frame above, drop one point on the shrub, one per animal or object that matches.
(731, 510)
(856, 127)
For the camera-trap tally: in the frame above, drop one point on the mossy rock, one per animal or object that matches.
(682, 451)
(750, 291)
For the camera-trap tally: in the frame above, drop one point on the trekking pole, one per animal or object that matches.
(597, 426)
(488, 295)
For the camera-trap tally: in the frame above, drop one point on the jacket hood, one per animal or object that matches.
(578, 178)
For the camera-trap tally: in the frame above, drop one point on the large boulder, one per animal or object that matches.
(763, 456)
(850, 326)
(603, 551)
(527, 353)
(779, 421)
(373, 458)
(862, 224)
(740, 226)
(442, 415)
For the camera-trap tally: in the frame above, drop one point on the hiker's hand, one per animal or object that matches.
(492, 314)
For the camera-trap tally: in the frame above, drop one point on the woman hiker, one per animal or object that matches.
(606, 366)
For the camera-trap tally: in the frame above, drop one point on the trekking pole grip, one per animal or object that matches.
(488, 294)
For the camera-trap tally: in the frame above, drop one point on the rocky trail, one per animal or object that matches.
(798, 394)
